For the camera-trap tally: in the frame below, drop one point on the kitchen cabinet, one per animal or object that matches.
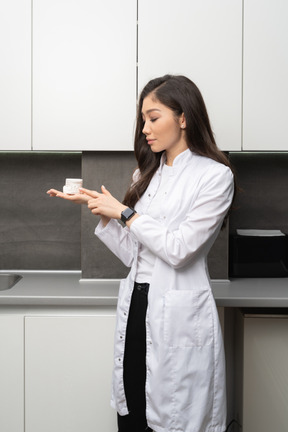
(68, 369)
(11, 373)
(203, 40)
(261, 374)
(84, 74)
(265, 71)
(55, 370)
(71, 69)
(265, 384)
(15, 75)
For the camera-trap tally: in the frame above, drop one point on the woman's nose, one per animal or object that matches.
(145, 129)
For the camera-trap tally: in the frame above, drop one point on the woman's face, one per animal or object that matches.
(162, 129)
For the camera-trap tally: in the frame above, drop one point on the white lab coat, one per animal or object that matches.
(185, 387)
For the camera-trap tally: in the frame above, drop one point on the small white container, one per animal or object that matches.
(72, 186)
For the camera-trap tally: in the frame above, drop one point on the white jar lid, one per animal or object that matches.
(73, 181)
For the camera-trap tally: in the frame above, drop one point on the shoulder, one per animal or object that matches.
(200, 166)
(211, 175)
(209, 166)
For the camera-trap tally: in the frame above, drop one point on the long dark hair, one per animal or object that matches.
(181, 95)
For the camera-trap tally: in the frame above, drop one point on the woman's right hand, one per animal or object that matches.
(80, 198)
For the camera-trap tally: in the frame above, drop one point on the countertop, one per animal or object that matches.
(67, 288)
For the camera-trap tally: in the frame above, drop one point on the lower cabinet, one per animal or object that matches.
(55, 370)
(68, 368)
(11, 373)
(55, 373)
(265, 373)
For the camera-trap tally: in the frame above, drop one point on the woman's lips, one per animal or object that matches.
(150, 141)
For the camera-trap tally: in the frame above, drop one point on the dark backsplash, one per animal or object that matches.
(38, 232)
(41, 233)
(114, 170)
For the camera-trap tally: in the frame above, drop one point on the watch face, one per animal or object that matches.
(127, 214)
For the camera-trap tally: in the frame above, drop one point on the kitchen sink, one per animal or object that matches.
(8, 280)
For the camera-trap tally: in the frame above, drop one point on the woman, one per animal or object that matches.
(169, 368)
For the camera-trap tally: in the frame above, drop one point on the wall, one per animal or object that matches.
(38, 232)
(114, 170)
(42, 233)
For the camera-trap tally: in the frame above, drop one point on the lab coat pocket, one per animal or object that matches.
(188, 318)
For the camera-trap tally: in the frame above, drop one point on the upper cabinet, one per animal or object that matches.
(201, 39)
(68, 76)
(15, 75)
(84, 74)
(265, 72)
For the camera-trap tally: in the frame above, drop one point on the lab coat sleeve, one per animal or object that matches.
(200, 225)
(117, 239)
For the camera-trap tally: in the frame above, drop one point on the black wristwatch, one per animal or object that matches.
(127, 214)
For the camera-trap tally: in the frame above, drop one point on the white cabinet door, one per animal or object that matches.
(201, 39)
(68, 369)
(265, 384)
(11, 374)
(265, 84)
(15, 75)
(84, 74)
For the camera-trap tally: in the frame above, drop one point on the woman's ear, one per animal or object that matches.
(182, 121)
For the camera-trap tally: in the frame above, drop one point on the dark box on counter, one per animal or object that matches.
(258, 253)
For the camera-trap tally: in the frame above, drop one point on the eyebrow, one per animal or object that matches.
(150, 110)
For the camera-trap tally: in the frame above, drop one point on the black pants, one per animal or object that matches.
(135, 364)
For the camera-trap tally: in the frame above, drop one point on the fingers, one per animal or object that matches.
(93, 199)
(90, 193)
(93, 203)
(80, 198)
(56, 193)
(53, 192)
(105, 191)
(95, 194)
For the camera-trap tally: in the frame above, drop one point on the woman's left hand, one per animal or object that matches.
(104, 204)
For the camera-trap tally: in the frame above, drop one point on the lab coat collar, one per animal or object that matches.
(178, 163)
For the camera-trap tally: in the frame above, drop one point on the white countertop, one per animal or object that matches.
(67, 288)
(59, 288)
(252, 292)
